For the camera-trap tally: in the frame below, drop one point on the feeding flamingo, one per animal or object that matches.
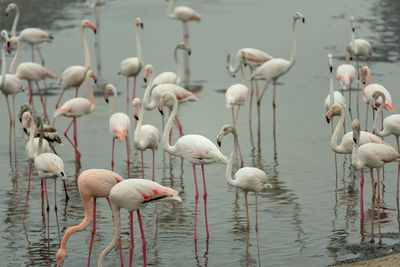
(249, 179)
(172, 77)
(119, 123)
(92, 183)
(133, 195)
(345, 74)
(146, 136)
(197, 149)
(75, 108)
(131, 66)
(371, 155)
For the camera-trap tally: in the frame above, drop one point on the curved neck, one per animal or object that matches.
(178, 65)
(354, 158)
(346, 56)
(171, 9)
(14, 26)
(147, 93)
(92, 99)
(380, 110)
(335, 135)
(165, 137)
(14, 60)
(3, 65)
(40, 145)
(139, 123)
(139, 50)
(228, 172)
(114, 105)
(331, 92)
(117, 232)
(85, 49)
(229, 64)
(293, 55)
(368, 80)
(32, 130)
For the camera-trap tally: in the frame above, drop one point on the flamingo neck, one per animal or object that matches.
(147, 92)
(368, 80)
(165, 137)
(293, 54)
(228, 172)
(353, 41)
(14, 60)
(139, 123)
(14, 26)
(346, 56)
(114, 105)
(138, 47)
(92, 99)
(331, 92)
(40, 145)
(3, 65)
(171, 10)
(335, 135)
(117, 233)
(85, 49)
(239, 61)
(380, 110)
(354, 158)
(32, 130)
(178, 66)
(242, 74)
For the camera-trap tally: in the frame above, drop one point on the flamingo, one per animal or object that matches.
(75, 108)
(368, 91)
(345, 74)
(119, 122)
(371, 155)
(346, 145)
(172, 77)
(276, 67)
(249, 179)
(184, 14)
(32, 36)
(334, 97)
(133, 195)
(131, 66)
(146, 136)
(92, 183)
(10, 84)
(391, 126)
(197, 149)
(32, 71)
(157, 92)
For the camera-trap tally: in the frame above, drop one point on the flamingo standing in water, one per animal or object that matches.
(146, 136)
(334, 97)
(197, 149)
(346, 145)
(131, 66)
(119, 122)
(172, 77)
(93, 183)
(75, 108)
(248, 179)
(372, 156)
(368, 91)
(133, 195)
(345, 74)
(276, 67)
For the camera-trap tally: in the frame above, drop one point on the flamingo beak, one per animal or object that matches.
(330, 68)
(219, 143)
(189, 52)
(91, 26)
(94, 78)
(327, 119)
(304, 20)
(160, 106)
(145, 76)
(9, 47)
(136, 117)
(106, 97)
(141, 25)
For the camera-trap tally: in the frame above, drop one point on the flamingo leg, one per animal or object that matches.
(93, 230)
(55, 209)
(66, 134)
(234, 125)
(251, 102)
(47, 208)
(186, 56)
(13, 125)
(59, 98)
(179, 126)
(131, 247)
(33, 55)
(127, 153)
(134, 88)
(9, 114)
(373, 118)
(205, 200)
(258, 241)
(398, 170)
(28, 191)
(197, 200)
(40, 54)
(78, 154)
(143, 237)
(112, 155)
(362, 197)
(373, 184)
(41, 100)
(153, 178)
(379, 211)
(30, 92)
(141, 153)
(247, 228)
(366, 118)
(351, 115)
(127, 95)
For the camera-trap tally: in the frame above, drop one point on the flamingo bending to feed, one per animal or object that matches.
(75, 108)
(119, 122)
(146, 136)
(346, 145)
(92, 183)
(157, 92)
(276, 67)
(372, 156)
(172, 77)
(368, 91)
(133, 195)
(197, 149)
(131, 66)
(345, 74)
(248, 179)
(32, 36)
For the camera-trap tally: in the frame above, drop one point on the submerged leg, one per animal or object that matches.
(379, 210)
(28, 190)
(258, 241)
(205, 200)
(197, 200)
(131, 247)
(93, 230)
(112, 155)
(373, 184)
(143, 238)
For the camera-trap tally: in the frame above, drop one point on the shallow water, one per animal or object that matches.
(308, 218)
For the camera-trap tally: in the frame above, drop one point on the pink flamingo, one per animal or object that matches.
(32, 36)
(133, 195)
(345, 74)
(119, 122)
(248, 179)
(146, 136)
(368, 91)
(172, 77)
(276, 67)
(157, 92)
(75, 108)
(371, 155)
(346, 145)
(93, 183)
(197, 149)
(131, 66)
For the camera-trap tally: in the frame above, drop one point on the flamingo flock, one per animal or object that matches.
(368, 150)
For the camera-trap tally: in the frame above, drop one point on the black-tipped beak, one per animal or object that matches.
(6, 13)
(351, 58)
(353, 29)
(355, 140)
(219, 143)
(95, 81)
(233, 75)
(189, 52)
(327, 119)
(304, 20)
(375, 108)
(363, 82)
(25, 130)
(330, 68)
(136, 117)
(141, 25)
(95, 31)
(161, 111)
(62, 174)
(20, 119)
(106, 100)
(245, 65)
(145, 80)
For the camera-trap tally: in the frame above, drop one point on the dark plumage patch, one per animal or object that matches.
(151, 199)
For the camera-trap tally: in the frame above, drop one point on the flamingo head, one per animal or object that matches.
(109, 88)
(226, 129)
(26, 120)
(61, 254)
(355, 125)
(228, 62)
(88, 24)
(298, 15)
(166, 99)
(24, 107)
(184, 46)
(353, 24)
(4, 36)
(376, 102)
(330, 62)
(10, 43)
(91, 74)
(349, 52)
(139, 22)
(335, 110)
(364, 73)
(148, 69)
(10, 7)
(136, 103)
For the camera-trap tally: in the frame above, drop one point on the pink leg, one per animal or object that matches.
(120, 247)
(143, 238)
(30, 92)
(179, 126)
(47, 209)
(55, 208)
(112, 155)
(154, 179)
(141, 153)
(373, 118)
(237, 116)
(127, 95)
(398, 170)
(59, 98)
(197, 200)
(362, 198)
(33, 56)
(205, 200)
(27, 191)
(78, 154)
(127, 153)
(134, 88)
(93, 230)
(132, 244)
(43, 105)
(66, 135)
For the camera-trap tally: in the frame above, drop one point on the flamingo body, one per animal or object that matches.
(370, 89)
(74, 108)
(33, 72)
(338, 98)
(362, 48)
(130, 67)
(32, 147)
(149, 138)
(49, 165)
(236, 95)
(185, 14)
(120, 125)
(13, 85)
(35, 36)
(345, 73)
(181, 93)
(72, 76)
(271, 69)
